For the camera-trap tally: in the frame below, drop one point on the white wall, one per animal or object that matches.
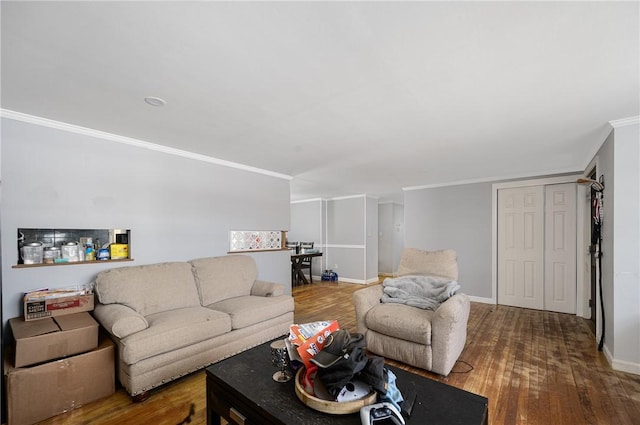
(177, 208)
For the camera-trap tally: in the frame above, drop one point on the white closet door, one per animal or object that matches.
(560, 248)
(521, 247)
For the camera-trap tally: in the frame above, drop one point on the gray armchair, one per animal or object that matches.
(430, 340)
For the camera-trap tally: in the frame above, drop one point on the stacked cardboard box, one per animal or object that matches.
(44, 303)
(55, 365)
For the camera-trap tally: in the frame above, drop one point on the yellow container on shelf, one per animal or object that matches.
(119, 251)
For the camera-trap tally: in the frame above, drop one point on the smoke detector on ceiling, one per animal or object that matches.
(155, 101)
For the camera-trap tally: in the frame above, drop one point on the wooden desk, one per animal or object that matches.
(296, 267)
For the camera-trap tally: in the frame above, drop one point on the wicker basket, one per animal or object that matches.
(329, 406)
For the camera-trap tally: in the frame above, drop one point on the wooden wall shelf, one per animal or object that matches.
(69, 263)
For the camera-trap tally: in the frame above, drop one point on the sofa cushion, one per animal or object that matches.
(249, 310)
(174, 329)
(220, 278)
(149, 289)
(120, 320)
(401, 321)
(442, 263)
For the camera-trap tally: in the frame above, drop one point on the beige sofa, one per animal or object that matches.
(170, 319)
(430, 340)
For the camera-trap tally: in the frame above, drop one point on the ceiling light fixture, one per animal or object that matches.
(155, 101)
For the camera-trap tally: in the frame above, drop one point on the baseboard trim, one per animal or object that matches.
(358, 281)
(628, 367)
(482, 300)
(621, 365)
(347, 280)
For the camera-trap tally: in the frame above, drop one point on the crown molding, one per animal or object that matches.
(494, 179)
(306, 200)
(625, 122)
(45, 122)
(340, 198)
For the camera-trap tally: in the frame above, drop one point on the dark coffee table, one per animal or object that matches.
(241, 390)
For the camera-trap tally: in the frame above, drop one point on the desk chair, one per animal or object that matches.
(307, 261)
(292, 246)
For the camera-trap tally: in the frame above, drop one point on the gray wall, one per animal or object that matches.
(627, 245)
(345, 237)
(385, 238)
(606, 168)
(345, 218)
(398, 234)
(306, 222)
(618, 161)
(459, 217)
(390, 236)
(371, 240)
(177, 208)
(351, 238)
(307, 218)
(455, 217)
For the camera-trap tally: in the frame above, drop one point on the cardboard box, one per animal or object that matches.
(54, 307)
(309, 338)
(52, 338)
(40, 392)
(119, 251)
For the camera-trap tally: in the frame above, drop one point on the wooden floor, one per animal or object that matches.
(534, 367)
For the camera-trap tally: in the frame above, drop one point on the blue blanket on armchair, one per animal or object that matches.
(426, 292)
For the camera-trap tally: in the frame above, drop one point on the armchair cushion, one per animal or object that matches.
(442, 263)
(401, 321)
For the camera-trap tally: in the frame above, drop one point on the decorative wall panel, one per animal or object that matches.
(255, 240)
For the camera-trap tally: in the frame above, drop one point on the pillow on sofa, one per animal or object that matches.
(149, 289)
(220, 278)
(442, 263)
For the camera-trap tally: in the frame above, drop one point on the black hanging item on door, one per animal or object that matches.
(596, 239)
(597, 187)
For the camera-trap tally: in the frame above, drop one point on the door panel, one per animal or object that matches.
(520, 247)
(560, 249)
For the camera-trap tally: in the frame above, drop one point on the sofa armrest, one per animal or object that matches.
(263, 288)
(363, 300)
(449, 332)
(120, 320)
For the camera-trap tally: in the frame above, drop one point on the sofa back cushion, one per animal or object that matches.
(149, 289)
(442, 263)
(220, 278)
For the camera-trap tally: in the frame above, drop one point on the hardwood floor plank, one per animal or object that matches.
(535, 368)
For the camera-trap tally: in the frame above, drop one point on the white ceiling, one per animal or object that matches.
(345, 97)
